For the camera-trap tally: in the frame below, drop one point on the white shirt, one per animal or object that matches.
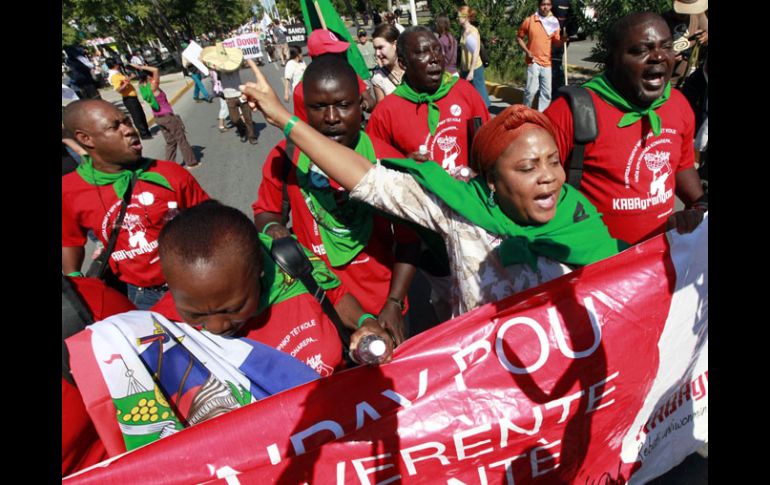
(294, 71)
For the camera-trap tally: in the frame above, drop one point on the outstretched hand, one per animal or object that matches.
(261, 96)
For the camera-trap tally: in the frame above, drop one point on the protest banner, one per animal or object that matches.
(192, 54)
(296, 34)
(248, 43)
(600, 376)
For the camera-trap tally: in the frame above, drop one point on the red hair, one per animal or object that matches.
(499, 132)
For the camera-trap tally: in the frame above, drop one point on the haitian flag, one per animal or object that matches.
(143, 377)
(335, 24)
(600, 376)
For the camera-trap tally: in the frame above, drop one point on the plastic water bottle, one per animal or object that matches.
(173, 210)
(370, 349)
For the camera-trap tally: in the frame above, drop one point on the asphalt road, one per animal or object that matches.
(231, 172)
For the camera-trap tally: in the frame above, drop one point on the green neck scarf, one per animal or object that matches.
(120, 180)
(576, 235)
(602, 87)
(345, 229)
(147, 94)
(405, 91)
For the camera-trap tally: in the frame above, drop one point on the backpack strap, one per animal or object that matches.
(290, 257)
(584, 127)
(74, 318)
(287, 162)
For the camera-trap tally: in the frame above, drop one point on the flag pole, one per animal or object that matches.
(320, 17)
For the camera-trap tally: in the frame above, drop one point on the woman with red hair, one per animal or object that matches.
(514, 226)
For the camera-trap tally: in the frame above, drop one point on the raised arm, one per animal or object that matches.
(338, 161)
(155, 79)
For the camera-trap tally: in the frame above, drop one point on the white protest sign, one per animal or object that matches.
(192, 54)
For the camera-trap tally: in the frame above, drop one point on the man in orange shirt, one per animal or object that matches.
(541, 30)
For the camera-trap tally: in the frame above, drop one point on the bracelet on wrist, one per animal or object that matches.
(365, 316)
(289, 125)
(268, 225)
(398, 302)
(75, 274)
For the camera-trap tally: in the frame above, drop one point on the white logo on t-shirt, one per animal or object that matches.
(456, 110)
(146, 198)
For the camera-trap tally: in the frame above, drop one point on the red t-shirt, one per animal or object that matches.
(135, 258)
(299, 98)
(368, 275)
(297, 326)
(628, 173)
(80, 444)
(404, 125)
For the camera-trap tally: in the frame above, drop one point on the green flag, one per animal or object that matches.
(335, 24)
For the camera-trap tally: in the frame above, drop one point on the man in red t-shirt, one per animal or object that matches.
(643, 155)
(404, 123)
(355, 243)
(229, 284)
(80, 444)
(322, 42)
(93, 195)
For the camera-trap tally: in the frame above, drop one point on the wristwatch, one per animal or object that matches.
(398, 302)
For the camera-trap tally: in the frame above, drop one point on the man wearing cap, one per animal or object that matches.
(643, 155)
(366, 48)
(322, 41)
(92, 197)
(227, 62)
(122, 84)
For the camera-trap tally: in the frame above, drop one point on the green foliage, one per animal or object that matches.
(68, 34)
(497, 22)
(609, 11)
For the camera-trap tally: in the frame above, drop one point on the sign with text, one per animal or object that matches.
(248, 43)
(600, 376)
(296, 34)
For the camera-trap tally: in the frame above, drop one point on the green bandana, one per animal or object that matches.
(147, 94)
(277, 286)
(405, 91)
(602, 87)
(120, 180)
(576, 235)
(345, 229)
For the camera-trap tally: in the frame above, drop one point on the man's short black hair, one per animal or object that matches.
(329, 66)
(207, 231)
(402, 38)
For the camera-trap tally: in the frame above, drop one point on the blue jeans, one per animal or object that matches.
(199, 87)
(538, 76)
(144, 298)
(479, 84)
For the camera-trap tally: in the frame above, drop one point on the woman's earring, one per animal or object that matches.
(491, 199)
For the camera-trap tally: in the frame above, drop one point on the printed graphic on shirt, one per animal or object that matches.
(297, 339)
(456, 110)
(133, 224)
(443, 147)
(648, 171)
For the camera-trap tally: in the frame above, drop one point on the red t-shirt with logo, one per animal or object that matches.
(404, 124)
(368, 275)
(135, 258)
(80, 444)
(628, 173)
(299, 98)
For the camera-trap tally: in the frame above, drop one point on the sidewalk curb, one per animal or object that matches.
(507, 93)
(174, 99)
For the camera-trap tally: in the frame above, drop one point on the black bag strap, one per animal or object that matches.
(290, 257)
(287, 162)
(74, 318)
(102, 262)
(473, 129)
(585, 128)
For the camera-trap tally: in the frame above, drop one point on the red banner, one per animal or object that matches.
(591, 378)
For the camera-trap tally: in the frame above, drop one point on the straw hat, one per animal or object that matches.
(691, 6)
(225, 59)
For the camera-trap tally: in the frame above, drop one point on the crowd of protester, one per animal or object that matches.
(479, 204)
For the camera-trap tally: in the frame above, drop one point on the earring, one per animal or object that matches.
(491, 199)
